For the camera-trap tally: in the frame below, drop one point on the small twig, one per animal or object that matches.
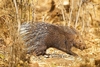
(77, 16)
(17, 15)
(63, 14)
(83, 26)
(43, 17)
(34, 10)
(94, 9)
(70, 16)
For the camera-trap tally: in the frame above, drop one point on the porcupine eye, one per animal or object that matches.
(80, 41)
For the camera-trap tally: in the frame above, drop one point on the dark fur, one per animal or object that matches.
(40, 36)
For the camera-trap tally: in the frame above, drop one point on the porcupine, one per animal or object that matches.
(39, 36)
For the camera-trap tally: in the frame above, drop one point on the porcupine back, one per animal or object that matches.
(32, 33)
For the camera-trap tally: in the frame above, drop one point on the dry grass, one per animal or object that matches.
(84, 16)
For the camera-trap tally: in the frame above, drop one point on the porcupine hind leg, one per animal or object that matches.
(40, 49)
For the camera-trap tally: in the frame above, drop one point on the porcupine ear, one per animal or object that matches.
(74, 30)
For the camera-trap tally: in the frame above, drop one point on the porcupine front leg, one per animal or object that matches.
(69, 46)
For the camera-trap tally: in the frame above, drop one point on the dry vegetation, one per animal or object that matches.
(84, 15)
